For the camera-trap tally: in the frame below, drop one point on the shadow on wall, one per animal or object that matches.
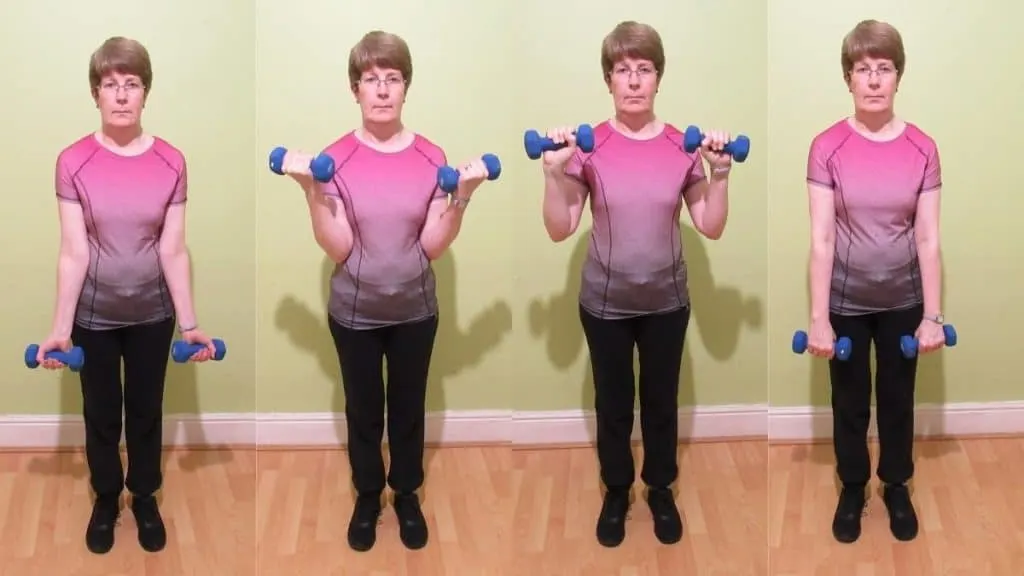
(455, 349)
(931, 389)
(718, 315)
(181, 396)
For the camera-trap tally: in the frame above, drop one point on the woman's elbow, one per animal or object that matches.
(559, 231)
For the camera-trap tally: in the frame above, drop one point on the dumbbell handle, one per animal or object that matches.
(448, 177)
(182, 351)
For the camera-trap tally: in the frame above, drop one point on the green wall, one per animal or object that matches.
(235, 78)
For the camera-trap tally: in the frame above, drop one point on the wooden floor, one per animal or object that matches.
(722, 495)
(305, 501)
(748, 510)
(970, 505)
(208, 504)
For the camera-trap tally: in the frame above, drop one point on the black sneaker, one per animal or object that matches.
(152, 534)
(668, 526)
(99, 535)
(412, 526)
(611, 524)
(362, 528)
(902, 518)
(846, 522)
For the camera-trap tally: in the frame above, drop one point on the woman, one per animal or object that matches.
(123, 279)
(873, 184)
(383, 219)
(634, 290)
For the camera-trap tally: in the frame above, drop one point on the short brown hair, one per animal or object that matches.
(631, 39)
(383, 50)
(873, 39)
(123, 56)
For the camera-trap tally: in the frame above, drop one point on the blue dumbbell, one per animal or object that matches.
(842, 348)
(322, 167)
(74, 359)
(448, 177)
(181, 351)
(738, 148)
(536, 145)
(908, 344)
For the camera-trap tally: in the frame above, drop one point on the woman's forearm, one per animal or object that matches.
(558, 207)
(930, 260)
(177, 267)
(439, 234)
(330, 226)
(822, 259)
(71, 269)
(716, 206)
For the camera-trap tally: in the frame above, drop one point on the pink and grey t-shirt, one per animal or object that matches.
(876, 186)
(124, 200)
(635, 264)
(387, 279)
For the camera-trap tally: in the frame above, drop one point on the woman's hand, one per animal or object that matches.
(53, 342)
(822, 339)
(711, 148)
(930, 336)
(196, 336)
(471, 175)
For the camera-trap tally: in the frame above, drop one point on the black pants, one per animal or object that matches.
(408, 348)
(659, 338)
(144, 350)
(894, 396)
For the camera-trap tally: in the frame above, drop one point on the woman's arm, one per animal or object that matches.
(823, 246)
(708, 204)
(564, 200)
(177, 266)
(929, 254)
(442, 226)
(72, 264)
(331, 228)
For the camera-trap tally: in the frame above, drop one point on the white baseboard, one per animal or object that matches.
(51, 431)
(497, 426)
(802, 423)
(328, 429)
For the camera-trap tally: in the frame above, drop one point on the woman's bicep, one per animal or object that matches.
(822, 207)
(172, 237)
(926, 220)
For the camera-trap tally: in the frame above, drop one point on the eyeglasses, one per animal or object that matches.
(131, 88)
(374, 82)
(883, 72)
(626, 73)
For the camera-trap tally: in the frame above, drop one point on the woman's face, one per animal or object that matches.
(120, 99)
(873, 83)
(380, 93)
(633, 84)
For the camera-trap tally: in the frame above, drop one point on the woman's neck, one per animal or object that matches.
(639, 126)
(875, 123)
(123, 139)
(387, 136)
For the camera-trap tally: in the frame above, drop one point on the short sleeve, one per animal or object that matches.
(574, 167)
(817, 166)
(696, 174)
(932, 172)
(64, 182)
(440, 160)
(180, 193)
